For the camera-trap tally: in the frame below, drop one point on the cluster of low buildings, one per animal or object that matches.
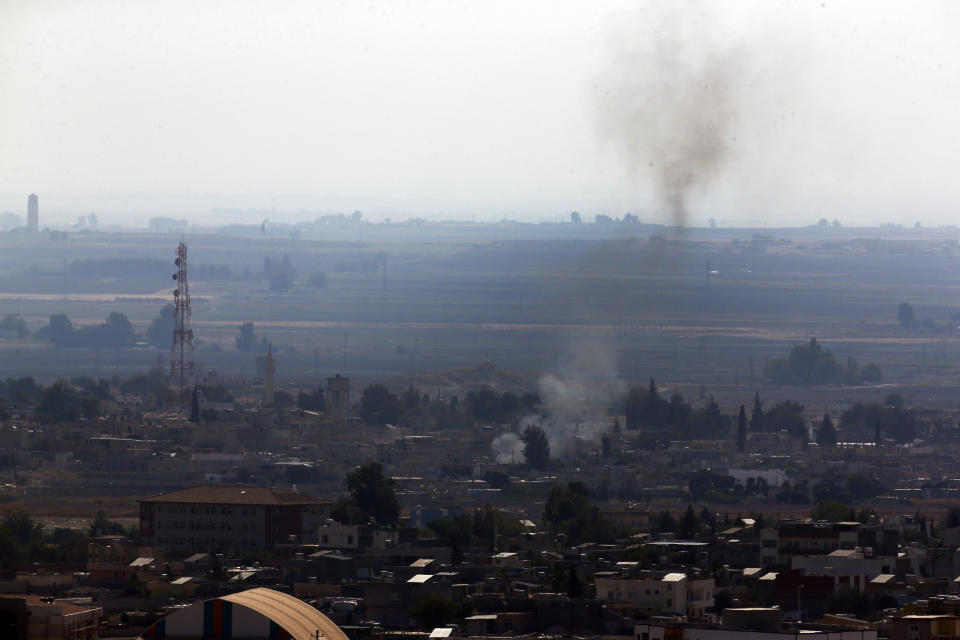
(243, 500)
(756, 582)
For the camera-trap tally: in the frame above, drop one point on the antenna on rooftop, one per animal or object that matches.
(181, 350)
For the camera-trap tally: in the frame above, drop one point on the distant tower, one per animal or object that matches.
(268, 378)
(338, 397)
(33, 213)
(181, 351)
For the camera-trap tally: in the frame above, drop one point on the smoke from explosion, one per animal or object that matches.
(670, 99)
(507, 449)
(574, 401)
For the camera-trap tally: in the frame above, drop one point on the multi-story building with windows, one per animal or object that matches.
(668, 593)
(224, 518)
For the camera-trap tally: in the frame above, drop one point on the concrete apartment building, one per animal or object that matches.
(33, 617)
(674, 593)
(804, 537)
(213, 518)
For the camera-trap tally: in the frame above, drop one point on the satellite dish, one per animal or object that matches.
(174, 276)
(177, 262)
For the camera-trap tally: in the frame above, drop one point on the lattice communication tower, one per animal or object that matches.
(181, 350)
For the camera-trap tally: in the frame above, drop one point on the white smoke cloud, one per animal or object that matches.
(507, 449)
(575, 400)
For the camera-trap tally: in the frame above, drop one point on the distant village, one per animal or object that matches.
(491, 528)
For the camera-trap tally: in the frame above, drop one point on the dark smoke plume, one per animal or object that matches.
(668, 101)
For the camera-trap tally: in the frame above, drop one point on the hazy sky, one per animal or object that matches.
(528, 110)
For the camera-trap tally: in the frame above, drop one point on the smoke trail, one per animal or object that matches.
(575, 399)
(507, 449)
(669, 101)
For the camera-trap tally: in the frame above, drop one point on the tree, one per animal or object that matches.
(195, 405)
(666, 523)
(14, 324)
(90, 407)
(115, 332)
(373, 495)
(722, 599)
(826, 434)
(905, 314)
(101, 526)
(786, 415)
(313, 401)
(871, 374)
(160, 331)
(862, 486)
(536, 448)
(379, 405)
(59, 331)
(742, 430)
(434, 610)
(246, 341)
(283, 400)
(57, 403)
(689, 524)
(756, 418)
(832, 511)
(953, 518)
(574, 584)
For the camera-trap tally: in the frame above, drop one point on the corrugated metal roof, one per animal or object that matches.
(421, 562)
(441, 632)
(294, 616)
(420, 577)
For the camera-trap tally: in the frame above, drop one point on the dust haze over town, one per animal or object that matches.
(457, 317)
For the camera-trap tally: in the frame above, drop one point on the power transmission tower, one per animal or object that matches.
(181, 350)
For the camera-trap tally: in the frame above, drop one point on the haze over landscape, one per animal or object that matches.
(482, 321)
(449, 111)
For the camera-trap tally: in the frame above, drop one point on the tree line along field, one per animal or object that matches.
(688, 311)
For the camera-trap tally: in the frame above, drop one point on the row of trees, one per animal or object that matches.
(66, 400)
(115, 332)
(379, 405)
(811, 364)
(647, 409)
(142, 268)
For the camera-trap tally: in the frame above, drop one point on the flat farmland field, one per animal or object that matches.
(698, 311)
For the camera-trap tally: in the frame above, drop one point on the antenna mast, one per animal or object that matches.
(181, 364)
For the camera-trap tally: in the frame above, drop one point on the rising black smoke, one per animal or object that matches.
(669, 100)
